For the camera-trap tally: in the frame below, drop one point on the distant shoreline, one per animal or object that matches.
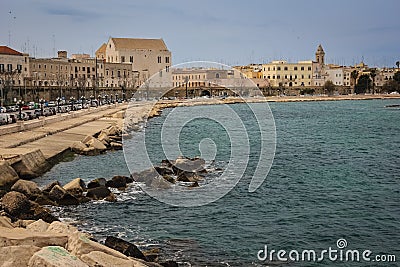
(161, 104)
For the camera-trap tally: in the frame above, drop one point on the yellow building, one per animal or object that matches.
(282, 73)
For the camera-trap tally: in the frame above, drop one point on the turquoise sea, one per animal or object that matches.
(335, 175)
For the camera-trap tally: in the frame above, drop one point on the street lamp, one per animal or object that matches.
(58, 104)
(42, 101)
(91, 100)
(20, 103)
(186, 82)
(72, 99)
(116, 98)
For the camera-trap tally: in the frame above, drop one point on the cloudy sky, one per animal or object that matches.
(226, 31)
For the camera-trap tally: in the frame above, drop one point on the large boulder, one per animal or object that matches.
(112, 130)
(5, 222)
(54, 256)
(14, 256)
(61, 228)
(8, 176)
(183, 164)
(28, 188)
(78, 147)
(99, 193)
(62, 197)
(152, 179)
(50, 186)
(103, 136)
(98, 258)
(38, 226)
(186, 176)
(76, 187)
(31, 165)
(80, 244)
(117, 182)
(97, 183)
(37, 212)
(21, 236)
(116, 146)
(16, 203)
(57, 192)
(164, 170)
(125, 247)
(96, 144)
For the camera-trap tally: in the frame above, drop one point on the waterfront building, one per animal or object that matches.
(146, 57)
(14, 72)
(284, 74)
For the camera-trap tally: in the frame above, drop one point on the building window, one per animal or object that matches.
(119, 74)
(295, 68)
(302, 68)
(159, 59)
(278, 77)
(309, 68)
(9, 67)
(285, 68)
(122, 59)
(1, 67)
(166, 68)
(83, 68)
(279, 68)
(131, 59)
(166, 59)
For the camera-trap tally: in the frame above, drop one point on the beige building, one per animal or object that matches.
(146, 57)
(212, 81)
(14, 73)
(284, 74)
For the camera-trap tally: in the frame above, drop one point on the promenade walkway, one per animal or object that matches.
(55, 137)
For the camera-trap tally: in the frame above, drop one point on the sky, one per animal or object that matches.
(226, 31)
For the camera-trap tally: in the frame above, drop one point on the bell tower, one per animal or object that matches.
(320, 55)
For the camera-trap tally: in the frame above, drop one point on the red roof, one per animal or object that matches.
(5, 50)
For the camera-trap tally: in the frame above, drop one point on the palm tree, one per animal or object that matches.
(354, 76)
(373, 75)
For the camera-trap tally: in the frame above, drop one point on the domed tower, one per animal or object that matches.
(320, 55)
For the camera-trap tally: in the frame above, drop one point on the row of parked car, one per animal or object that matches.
(32, 111)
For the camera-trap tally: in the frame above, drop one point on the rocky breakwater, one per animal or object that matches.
(31, 236)
(107, 139)
(184, 171)
(42, 244)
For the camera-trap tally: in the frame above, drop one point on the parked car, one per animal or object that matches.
(47, 112)
(37, 113)
(51, 104)
(4, 119)
(3, 110)
(11, 108)
(13, 117)
(31, 115)
(24, 116)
